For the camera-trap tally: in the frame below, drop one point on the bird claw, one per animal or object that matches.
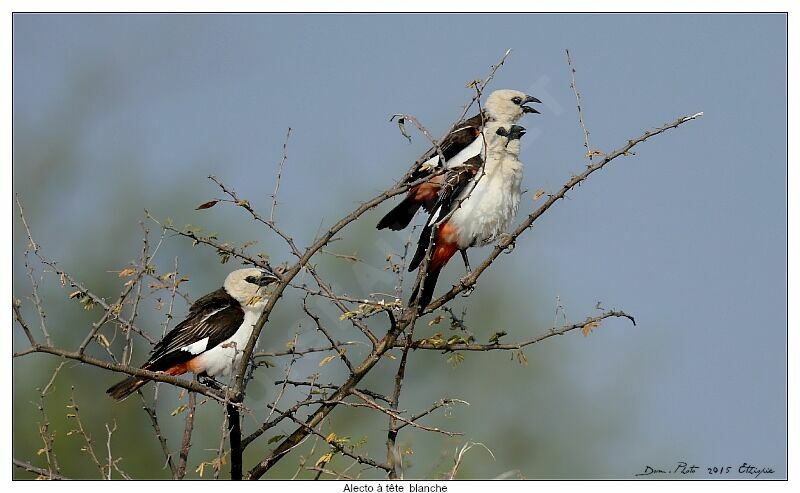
(467, 289)
(512, 242)
(210, 382)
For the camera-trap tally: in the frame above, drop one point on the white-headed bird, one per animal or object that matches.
(211, 339)
(504, 107)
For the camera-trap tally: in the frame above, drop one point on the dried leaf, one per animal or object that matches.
(401, 124)
(206, 205)
(588, 328)
(243, 203)
(594, 152)
(324, 459)
(253, 300)
(327, 359)
(436, 320)
(538, 194)
(127, 272)
(178, 410)
(331, 437)
(224, 256)
(102, 340)
(521, 358)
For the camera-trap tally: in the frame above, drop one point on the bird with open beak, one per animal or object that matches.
(504, 107)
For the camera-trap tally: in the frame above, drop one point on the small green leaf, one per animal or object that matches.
(495, 339)
(276, 439)
(455, 359)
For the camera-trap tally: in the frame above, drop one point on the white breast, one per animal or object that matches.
(489, 209)
(226, 357)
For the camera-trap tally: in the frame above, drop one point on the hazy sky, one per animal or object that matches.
(688, 235)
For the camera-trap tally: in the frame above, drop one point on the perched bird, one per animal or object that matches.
(475, 206)
(211, 339)
(504, 106)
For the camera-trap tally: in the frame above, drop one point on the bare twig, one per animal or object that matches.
(43, 473)
(555, 331)
(321, 328)
(186, 443)
(278, 179)
(374, 405)
(151, 375)
(151, 413)
(574, 87)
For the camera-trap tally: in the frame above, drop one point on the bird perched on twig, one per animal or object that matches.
(504, 106)
(475, 205)
(211, 339)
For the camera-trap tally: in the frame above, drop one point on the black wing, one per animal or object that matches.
(216, 316)
(456, 181)
(453, 143)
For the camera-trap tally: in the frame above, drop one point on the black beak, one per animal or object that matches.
(266, 278)
(528, 109)
(516, 132)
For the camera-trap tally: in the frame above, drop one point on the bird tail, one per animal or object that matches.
(442, 252)
(428, 285)
(125, 388)
(401, 216)
(422, 248)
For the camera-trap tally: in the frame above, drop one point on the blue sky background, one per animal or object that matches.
(114, 114)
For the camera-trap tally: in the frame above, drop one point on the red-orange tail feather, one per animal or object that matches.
(445, 246)
(130, 385)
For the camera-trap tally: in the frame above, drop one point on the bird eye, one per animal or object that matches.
(502, 132)
(251, 279)
(516, 99)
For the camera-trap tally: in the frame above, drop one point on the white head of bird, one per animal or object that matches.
(251, 287)
(508, 105)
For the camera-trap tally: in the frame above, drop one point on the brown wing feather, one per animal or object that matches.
(455, 181)
(216, 316)
(453, 143)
